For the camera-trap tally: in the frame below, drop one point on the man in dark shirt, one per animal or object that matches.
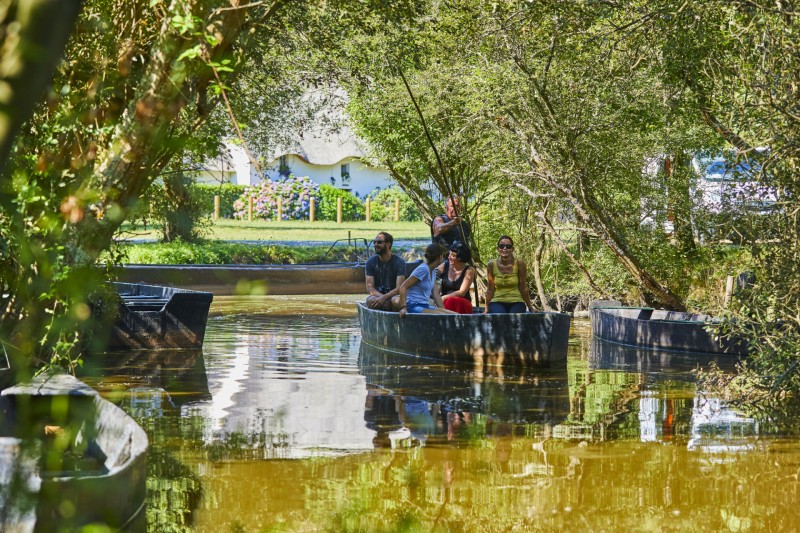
(385, 273)
(448, 228)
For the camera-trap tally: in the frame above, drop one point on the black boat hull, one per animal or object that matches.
(159, 318)
(518, 340)
(662, 330)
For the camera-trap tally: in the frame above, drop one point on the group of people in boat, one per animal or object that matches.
(449, 258)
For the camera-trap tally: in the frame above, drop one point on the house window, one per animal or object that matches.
(345, 174)
(283, 166)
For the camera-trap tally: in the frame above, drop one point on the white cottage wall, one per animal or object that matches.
(363, 178)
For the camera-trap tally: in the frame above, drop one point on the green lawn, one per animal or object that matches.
(260, 230)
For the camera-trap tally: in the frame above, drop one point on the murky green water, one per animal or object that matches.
(284, 422)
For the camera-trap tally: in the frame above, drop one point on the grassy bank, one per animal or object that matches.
(265, 231)
(231, 253)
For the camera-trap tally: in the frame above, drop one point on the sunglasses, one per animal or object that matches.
(505, 246)
(378, 242)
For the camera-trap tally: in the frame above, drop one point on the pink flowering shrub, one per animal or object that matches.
(295, 192)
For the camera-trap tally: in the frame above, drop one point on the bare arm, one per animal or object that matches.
(371, 290)
(436, 294)
(409, 282)
(522, 274)
(440, 226)
(489, 286)
(465, 285)
(397, 284)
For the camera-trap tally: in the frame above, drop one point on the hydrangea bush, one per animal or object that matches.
(295, 192)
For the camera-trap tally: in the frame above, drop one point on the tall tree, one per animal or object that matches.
(140, 80)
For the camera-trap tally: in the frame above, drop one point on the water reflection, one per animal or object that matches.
(410, 400)
(285, 387)
(385, 442)
(612, 356)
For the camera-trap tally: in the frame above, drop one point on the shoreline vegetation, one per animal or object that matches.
(263, 242)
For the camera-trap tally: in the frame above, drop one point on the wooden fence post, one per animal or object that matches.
(368, 210)
(250, 208)
(280, 208)
(728, 290)
(397, 209)
(339, 210)
(216, 207)
(311, 210)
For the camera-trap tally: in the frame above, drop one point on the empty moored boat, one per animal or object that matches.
(649, 328)
(520, 340)
(69, 459)
(159, 318)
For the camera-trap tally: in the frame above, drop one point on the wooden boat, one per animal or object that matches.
(520, 340)
(649, 328)
(159, 318)
(324, 278)
(69, 458)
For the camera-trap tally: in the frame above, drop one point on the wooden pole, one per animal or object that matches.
(250, 208)
(728, 290)
(280, 208)
(339, 210)
(311, 210)
(368, 211)
(216, 207)
(397, 209)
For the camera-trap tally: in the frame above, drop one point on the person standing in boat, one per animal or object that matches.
(507, 285)
(450, 227)
(457, 277)
(418, 288)
(385, 272)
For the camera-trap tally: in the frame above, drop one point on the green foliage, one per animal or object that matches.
(295, 194)
(232, 253)
(352, 208)
(228, 193)
(383, 203)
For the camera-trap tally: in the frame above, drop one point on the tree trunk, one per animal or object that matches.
(587, 208)
(679, 200)
(537, 271)
(145, 139)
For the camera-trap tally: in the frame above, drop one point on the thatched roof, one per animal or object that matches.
(322, 147)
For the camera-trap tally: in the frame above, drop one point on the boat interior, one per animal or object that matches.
(648, 313)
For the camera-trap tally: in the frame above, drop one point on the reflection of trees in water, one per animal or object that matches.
(173, 491)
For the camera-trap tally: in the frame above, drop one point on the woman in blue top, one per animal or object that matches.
(417, 288)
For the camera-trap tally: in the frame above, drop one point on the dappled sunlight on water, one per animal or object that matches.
(286, 421)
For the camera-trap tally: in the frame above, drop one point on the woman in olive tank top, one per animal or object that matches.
(507, 286)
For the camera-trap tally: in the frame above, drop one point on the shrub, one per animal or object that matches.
(225, 253)
(295, 192)
(228, 194)
(352, 208)
(382, 205)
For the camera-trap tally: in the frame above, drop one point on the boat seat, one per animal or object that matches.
(146, 305)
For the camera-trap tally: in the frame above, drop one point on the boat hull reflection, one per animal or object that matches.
(406, 400)
(607, 355)
(178, 374)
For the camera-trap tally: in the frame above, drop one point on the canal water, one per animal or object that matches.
(286, 422)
